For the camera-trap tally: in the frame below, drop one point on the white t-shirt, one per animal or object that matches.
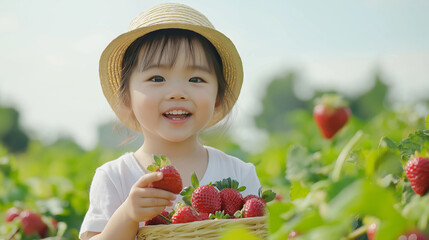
(112, 183)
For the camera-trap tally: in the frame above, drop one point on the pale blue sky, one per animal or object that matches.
(50, 51)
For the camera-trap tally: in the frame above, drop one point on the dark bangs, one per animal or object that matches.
(152, 48)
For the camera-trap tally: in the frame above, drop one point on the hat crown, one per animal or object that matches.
(168, 13)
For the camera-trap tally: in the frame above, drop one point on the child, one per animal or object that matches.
(169, 77)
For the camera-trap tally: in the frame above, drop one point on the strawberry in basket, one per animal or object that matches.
(266, 196)
(205, 199)
(163, 218)
(231, 198)
(184, 214)
(171, 180)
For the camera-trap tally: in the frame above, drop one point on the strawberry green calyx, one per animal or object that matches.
(423, 153)
(187, 191)
(228, 183)
(219, 215)
(267, 195)
(331, 100)
(160, 162)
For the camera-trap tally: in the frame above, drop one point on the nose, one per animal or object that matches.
(177, 92)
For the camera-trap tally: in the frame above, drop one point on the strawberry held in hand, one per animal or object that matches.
(330, 114)
(171, 180)
(417, 170)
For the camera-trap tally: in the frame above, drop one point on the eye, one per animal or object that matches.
(156, 79)
(196, 80)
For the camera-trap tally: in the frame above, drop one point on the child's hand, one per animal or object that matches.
(145, 203)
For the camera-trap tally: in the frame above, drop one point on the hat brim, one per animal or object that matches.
(111, 64)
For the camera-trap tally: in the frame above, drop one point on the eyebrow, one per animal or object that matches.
(193, 67)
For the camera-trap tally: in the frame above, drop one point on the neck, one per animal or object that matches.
(181, 154)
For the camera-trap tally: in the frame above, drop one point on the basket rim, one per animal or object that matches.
(196, 223)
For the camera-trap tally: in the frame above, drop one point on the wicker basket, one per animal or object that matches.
(207, 230)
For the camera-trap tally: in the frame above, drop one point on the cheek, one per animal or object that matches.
(142, 104)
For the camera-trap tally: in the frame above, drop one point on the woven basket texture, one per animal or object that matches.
(207, 230)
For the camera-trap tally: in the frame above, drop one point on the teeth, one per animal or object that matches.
(177, 112)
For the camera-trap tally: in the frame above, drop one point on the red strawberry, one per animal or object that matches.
(266, 196)
(204, 198)
(330, 114)
(414, 235)
(204, 216)
(252, 196)
(231, 198)
(370, 232)
(158, 219)
(11, 214)
(254, 208)
(171, 180)
(417, 169)
(54, 224)
(185, 214)
(32, 223)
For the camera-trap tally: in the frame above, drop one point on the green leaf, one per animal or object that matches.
(165, 161)
(157, 160)
(268, 195)
(387, 142)
(297, 191)
(187, 194)
(415, 142)
(300, 165)
(277, 209)
(235, 232)
(194, 181)
(152, 168)
(242, 188)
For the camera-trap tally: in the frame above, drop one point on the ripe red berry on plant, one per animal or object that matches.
(171, 180)
(11, 214)
(331, 114)
(32, 223)
(417, 170)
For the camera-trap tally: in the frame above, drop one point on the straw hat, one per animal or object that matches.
(168, 15)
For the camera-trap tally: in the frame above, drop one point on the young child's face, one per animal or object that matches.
(174, 102)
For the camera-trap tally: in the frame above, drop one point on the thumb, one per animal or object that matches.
(149, 178)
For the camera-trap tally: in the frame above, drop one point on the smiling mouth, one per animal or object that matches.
(177, 114)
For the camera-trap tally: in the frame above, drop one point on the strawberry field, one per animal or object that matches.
(349, 186)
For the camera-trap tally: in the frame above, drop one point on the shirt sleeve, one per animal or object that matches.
(101, 208)
(250, 180)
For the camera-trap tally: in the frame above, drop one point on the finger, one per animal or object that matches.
(152, 211)
(155, 193)
(148, 178)
(154, 202)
